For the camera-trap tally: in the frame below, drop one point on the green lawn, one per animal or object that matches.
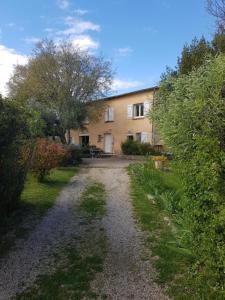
(36, 199)
(40, 196)
(156, 196)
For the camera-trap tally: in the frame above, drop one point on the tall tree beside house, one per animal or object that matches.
(61, 79)
(194, 55)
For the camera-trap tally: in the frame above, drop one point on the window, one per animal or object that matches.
(84, 140)
(130, 137)
(138, 110)
(109, 114)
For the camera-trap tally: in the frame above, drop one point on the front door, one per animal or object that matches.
(108, 143)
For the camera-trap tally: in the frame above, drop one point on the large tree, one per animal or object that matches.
(60, 79)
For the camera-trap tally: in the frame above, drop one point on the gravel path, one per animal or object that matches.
(125, 274)
(35, 255)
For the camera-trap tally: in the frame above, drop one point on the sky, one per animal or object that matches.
(140, 37)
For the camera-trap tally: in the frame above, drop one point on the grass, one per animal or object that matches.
(93, 202)
(74, 273)
(156, 197)
(77, 264)
(36, 199)
(40, 196)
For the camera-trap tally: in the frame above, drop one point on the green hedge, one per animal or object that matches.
(190, 114)
(131, 147)
(15, 152)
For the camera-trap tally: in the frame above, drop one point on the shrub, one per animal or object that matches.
(74, 154)
(190, 114)
(131, 147)
(15, 152)
(47, 155)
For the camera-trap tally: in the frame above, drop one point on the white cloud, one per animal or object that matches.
(63, 4)
(84, 42)
(78, 27)
(48, 29)
(81, 12)
(124, 51)
(32, 40)
(119, 84)
(8, 58)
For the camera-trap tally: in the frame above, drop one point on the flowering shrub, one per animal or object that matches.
(47, 155)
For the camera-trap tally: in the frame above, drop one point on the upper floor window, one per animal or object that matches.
(138, 110)
(109, 114)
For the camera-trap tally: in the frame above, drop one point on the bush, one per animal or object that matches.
(15, 152)
(73, 157)
(190, 114)
(131, 147)
(47, 156)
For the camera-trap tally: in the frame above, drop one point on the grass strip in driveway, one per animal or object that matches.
(81, 258)
(93, 202)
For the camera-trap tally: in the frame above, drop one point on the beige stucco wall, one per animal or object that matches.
(122, 126)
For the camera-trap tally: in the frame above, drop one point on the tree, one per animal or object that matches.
(189, 111)
(193, 55)
(217, 9)
(61, 79)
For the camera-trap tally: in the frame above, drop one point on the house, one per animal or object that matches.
(125, 117)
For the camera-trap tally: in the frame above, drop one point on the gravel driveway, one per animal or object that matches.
(125, 274)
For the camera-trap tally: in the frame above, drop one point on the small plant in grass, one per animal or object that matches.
(47, 156)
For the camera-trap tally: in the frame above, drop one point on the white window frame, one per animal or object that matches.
(109, 114)
(140, 109)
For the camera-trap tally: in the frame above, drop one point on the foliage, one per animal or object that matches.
(157, 198)
(190, 114)
(73, 157)
(131, 147)
(17, 129)
(193, 55)
(59, 80)
(47, 156)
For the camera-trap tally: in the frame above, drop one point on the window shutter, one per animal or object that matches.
(130, 111)
(146, 107)
(106, 115)
(111, 114)
(144, 137)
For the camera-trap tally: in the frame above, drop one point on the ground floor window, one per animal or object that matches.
(130, 137)
(84, 140)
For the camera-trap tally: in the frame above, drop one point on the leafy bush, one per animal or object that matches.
(17, 127)
(74, 154)
(47, 155)
(131, 147)
(190, 114)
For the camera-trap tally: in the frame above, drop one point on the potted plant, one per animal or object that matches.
(160, 162)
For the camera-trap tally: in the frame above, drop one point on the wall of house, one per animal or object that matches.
(121, 126)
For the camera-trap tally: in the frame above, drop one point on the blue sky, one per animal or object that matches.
(140, 37)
